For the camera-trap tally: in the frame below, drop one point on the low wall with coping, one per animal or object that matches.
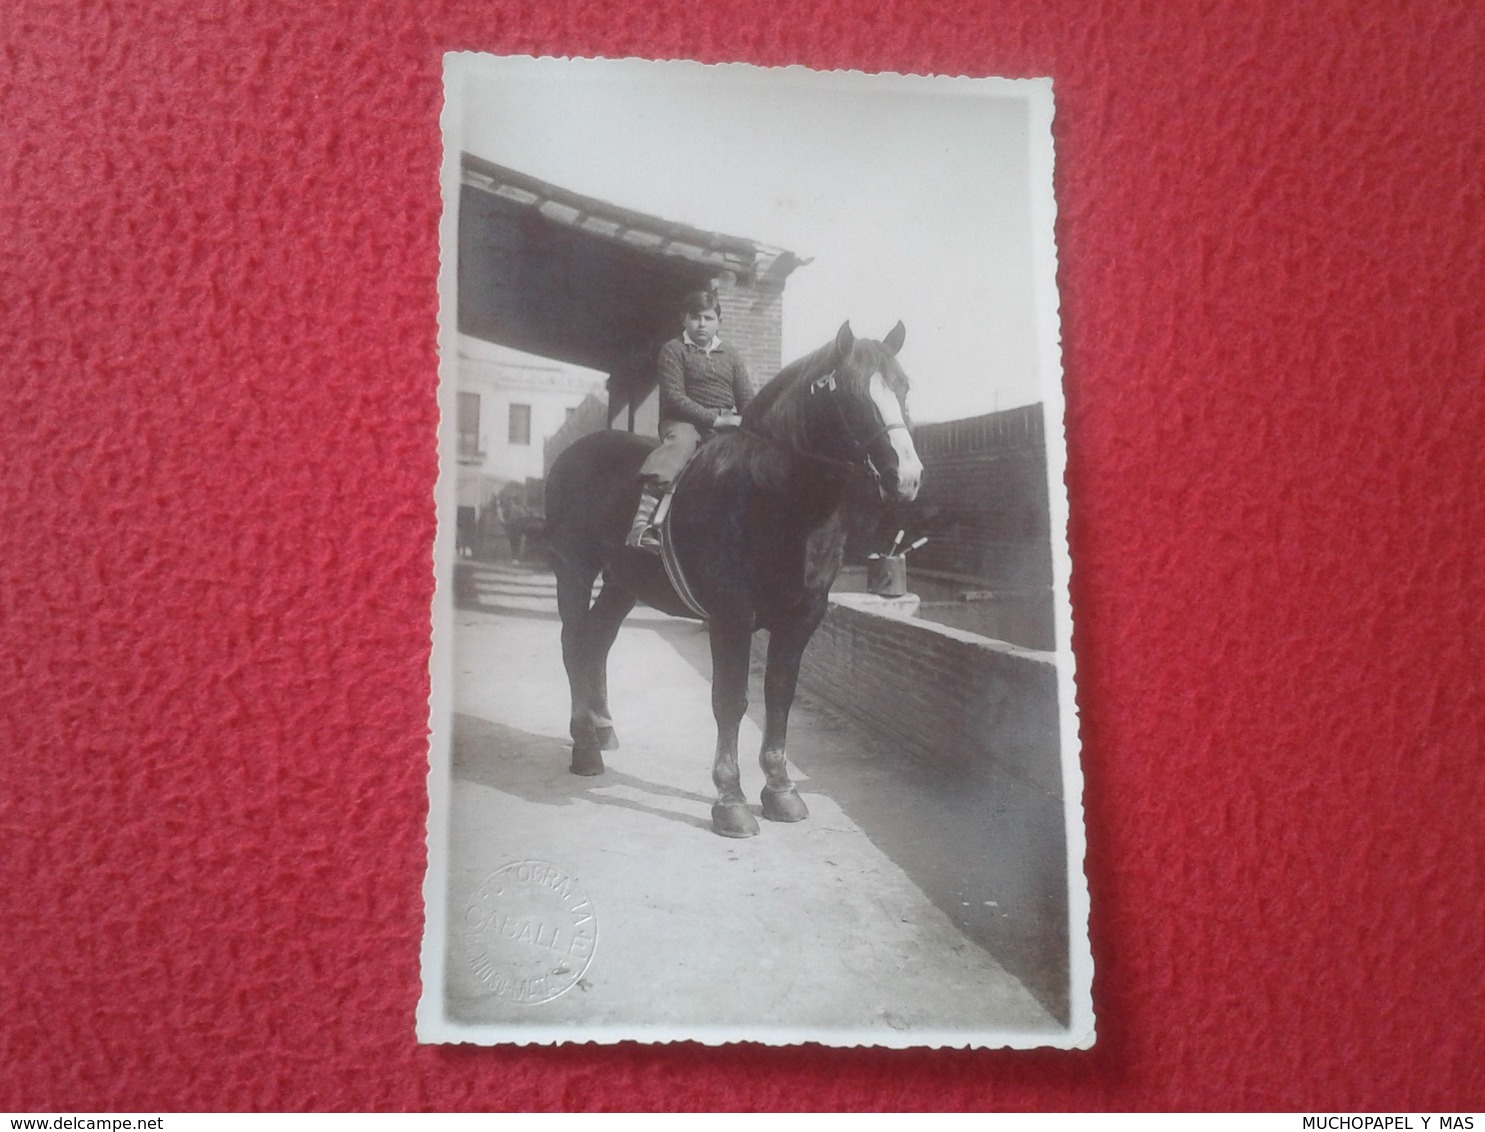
(977, 719)
(958, 699)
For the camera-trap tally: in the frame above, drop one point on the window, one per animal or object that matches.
(469, 426)
(520, 424)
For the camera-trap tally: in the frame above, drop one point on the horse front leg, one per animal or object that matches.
(781, 801)
(731, 816)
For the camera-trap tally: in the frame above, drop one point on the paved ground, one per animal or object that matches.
(808, 931)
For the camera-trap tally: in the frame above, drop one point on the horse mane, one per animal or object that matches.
(773, 406)
(773, 424)
(778, 410)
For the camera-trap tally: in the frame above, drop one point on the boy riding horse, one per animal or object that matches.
(704, 386)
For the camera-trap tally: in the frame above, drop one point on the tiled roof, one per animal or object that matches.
(745, 258)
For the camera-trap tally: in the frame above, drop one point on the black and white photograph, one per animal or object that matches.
(753, 694)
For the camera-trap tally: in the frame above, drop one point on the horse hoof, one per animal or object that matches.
(607, 739)
(786, 805)
(734, 820)
(586, 761)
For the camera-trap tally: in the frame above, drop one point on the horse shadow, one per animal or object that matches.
(533, 768)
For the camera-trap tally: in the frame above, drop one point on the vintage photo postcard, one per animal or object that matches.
(753, 706)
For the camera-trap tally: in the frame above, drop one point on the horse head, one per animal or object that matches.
(867, 391)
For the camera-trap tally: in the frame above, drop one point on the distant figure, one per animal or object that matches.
(465, 532)
(466, 525)
(513, 517)
(704, 386)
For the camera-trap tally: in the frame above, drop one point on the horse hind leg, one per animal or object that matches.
(604, 619)
(574, 595)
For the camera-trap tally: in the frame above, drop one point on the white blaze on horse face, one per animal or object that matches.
(909, 467)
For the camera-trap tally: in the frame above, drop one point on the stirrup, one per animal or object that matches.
(647, 540)
(642, 534)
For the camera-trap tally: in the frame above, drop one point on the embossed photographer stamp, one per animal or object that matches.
(529, 932)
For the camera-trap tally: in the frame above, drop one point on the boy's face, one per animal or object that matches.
(702, 327)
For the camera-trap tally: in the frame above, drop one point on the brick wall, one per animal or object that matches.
(957, 699)
(984, 499)
(753, 321)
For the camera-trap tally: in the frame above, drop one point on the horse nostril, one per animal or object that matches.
(902, 487)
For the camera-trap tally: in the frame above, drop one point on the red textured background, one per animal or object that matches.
(218, 254)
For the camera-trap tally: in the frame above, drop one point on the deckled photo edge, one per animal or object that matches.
(434, 1025)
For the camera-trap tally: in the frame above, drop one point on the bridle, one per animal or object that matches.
(827, 387)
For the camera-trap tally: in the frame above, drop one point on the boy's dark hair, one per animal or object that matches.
(704, 300)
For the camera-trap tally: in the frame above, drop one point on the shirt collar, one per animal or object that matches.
(708, 348)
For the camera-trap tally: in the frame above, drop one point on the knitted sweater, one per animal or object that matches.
(697, 386)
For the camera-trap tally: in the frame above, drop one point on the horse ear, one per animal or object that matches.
(844, 340)
(893, 342)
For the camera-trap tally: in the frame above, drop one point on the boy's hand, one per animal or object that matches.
(727, 420)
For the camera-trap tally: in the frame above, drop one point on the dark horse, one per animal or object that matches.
(757, 529)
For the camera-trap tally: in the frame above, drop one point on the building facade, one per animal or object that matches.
(509, 406)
